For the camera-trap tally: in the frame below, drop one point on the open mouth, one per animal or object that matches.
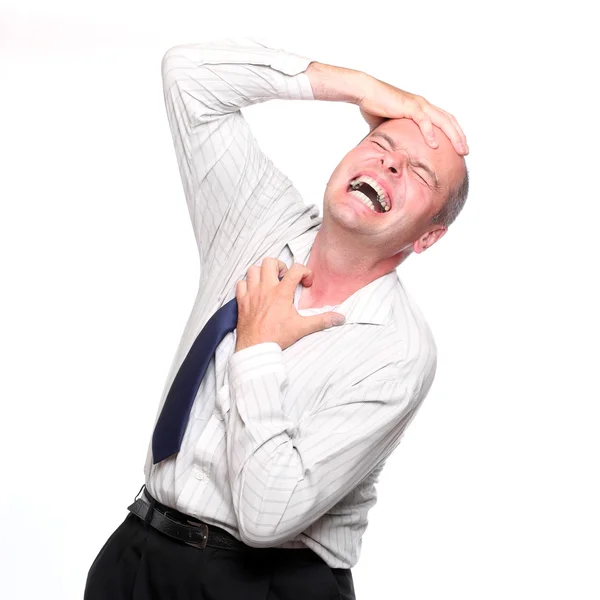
(370, 193)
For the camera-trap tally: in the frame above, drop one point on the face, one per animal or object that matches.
(416, 177)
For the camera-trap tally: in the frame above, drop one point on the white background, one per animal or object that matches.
(494, 491)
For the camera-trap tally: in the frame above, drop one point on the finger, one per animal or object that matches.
(272, 268)
(449, 125)
(446, 125)
(241, 288)
(307, 280)
(458, 128)
(296, 273)
(424, 122)
(320, 322)
(253, 277)
(282, 268)
(453, 120)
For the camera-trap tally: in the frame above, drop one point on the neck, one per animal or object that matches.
(342, 266)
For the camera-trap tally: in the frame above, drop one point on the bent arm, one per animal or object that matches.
(284, 475)
(229, 183)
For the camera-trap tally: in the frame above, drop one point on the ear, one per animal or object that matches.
(429, 239)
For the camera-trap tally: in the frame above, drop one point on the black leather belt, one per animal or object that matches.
(183, 527)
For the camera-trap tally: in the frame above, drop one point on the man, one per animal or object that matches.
(267, 492)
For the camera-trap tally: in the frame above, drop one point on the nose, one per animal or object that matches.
(394, 161)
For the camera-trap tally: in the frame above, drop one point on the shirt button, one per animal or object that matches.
(200, 476)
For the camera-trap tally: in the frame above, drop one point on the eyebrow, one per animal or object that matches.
(417, 163)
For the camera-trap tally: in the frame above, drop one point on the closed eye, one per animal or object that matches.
(417, 174)
(422, 178)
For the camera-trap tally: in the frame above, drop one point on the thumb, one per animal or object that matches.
(320, 322)
(333, 318)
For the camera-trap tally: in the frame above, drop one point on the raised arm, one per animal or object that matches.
(379, 101)
(229, 184)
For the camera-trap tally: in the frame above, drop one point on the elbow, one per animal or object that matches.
(272, 508)
(166, 58)
(169, 61)
(258, 536)
(165, 68)
(171, 66)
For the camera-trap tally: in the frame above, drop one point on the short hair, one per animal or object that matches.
(454, 202)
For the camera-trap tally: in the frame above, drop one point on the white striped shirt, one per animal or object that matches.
(283, 447)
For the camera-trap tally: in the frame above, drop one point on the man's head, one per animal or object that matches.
(427, 188)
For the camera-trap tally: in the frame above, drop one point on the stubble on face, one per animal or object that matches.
(418, 176)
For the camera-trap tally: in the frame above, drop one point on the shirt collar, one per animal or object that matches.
(372, 304)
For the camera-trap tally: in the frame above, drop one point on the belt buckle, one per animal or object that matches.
(204, 533)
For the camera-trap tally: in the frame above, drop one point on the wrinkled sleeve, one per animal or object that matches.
(284, 475)
(228, 182)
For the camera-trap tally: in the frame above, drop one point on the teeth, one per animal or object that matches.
(363, 198)
(381, 193)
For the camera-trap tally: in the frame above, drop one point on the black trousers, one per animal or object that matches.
(140, 563)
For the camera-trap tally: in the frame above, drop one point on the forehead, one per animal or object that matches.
(406, 135)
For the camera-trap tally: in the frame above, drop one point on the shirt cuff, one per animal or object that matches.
(256, 361)
(292, 64)
(289, 63)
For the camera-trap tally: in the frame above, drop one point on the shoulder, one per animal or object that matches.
(416, 350)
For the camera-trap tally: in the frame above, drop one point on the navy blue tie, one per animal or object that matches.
(169, 429)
